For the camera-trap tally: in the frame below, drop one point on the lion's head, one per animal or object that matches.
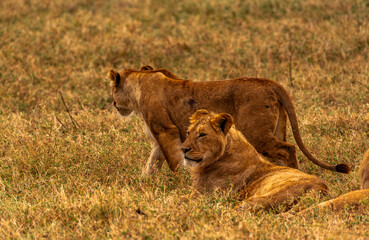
(206, 138)
(122, 100)
(125, 86)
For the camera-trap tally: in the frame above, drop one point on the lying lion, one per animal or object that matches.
(165, 102)
(220, 157)
(356, 200)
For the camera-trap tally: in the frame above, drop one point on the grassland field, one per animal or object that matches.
(77, 175)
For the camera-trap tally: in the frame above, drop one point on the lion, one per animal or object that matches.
(364, 171)
(220, 157)
(165, 102)
(355, 200)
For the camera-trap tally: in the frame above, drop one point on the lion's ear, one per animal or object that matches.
(222, 122)
(198, 114)
(115, 77)
(146, 68)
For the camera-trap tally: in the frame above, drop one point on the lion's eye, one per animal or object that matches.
(202, 135)
(115, 105)
(187, 134)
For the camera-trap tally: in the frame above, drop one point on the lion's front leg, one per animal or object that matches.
(169, 142)
(167, 136)
(156, 159)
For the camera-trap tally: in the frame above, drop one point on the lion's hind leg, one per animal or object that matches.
(280, 130)
(282, 190)
(267, 133)
(281, 201)
(277, 151)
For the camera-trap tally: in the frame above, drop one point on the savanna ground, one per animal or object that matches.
(82, 179)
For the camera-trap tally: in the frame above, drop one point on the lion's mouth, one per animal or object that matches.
(194, 160)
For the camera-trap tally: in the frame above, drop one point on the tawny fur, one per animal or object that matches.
(165, 102)
(364, 171)
(353, 201)
(220, 157)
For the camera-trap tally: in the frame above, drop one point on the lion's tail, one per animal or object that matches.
(286, 102)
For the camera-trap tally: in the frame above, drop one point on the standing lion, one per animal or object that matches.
(258, 106)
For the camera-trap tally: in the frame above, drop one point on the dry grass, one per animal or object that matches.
(62, 181)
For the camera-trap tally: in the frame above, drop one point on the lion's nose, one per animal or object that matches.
(184, 149)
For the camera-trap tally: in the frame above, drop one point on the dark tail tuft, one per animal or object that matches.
(343, 168)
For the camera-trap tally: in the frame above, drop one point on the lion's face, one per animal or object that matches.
(121, 95)
(206, 138)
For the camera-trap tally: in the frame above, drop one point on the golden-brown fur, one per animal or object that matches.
(364, 171)
(220, 157)
(356, 200)
(165, 102)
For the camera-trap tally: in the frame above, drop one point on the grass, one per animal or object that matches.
(61, 181)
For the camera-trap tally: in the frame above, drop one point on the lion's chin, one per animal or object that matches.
(188, 162)
(126, 113)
